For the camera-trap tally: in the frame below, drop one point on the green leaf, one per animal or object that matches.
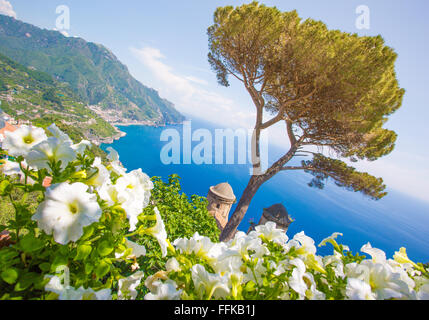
(105, 248)
(7, 254)
(59, 260)
(45, 266)
(102, 269)
(30, 244)
(88, 268)
(87, 232)
(5, 187)
(10, 275)
(26, 281)
(83, 251)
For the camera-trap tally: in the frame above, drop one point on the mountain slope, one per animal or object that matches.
(92, 70)
(31, 95)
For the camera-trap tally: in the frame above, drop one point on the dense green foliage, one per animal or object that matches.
(92, 71)
(182, 217)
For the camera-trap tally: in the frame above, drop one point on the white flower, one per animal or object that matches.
(303, 282)
(303, 244)
(172, 265)
(117, 195)
(331, 240)
(164, 291)
(256, 275)
(270, 232)
(10, 168)
(241, 248)
(113, 154)
(49, 150)
(115, 164)
(65, 139)
(423, 288)
(101, 177)
(69, 293)
(80, 147)
(19, 142)
(57, 133)
(127, 286)
(209, 284)
(137, 183)
(384, 282)
(66, 210)
(402, 257)
(335, 260)
(138, 250)
(158, 231)
(198, 245)
(131, 192)
(378, 256)
(358, 290)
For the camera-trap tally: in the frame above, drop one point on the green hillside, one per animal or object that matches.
(32, 95)
(93, 71)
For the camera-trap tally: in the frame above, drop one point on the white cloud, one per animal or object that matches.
(407, 173)
(190, 93)
(7, 9)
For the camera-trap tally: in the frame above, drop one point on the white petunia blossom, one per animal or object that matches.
(131, 192)
(138, 250)
(158, 231)
(101, 176)
(384, 282)
(117, 195)
(270, 232)
(172, 265)
(423, 288)
(20, 141)
(378, 256)
(303, 244)
(164, 291)
(303, 282)
(209, 284)
(137, 183)
(241, 248)
(127, 286)
(358, 290)
(60, 135)
(49, 150)
(115, 164)
(69, 293)
(79, 148)
(66, 210)
(11, 168)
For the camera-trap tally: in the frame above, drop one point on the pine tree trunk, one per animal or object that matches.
(252, 187)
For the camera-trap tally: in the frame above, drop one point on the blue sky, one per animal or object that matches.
(164, 44)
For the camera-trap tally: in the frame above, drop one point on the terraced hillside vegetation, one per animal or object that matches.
(93, 72)
(30, 95)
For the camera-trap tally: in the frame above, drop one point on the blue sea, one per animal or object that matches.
(396, 220)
